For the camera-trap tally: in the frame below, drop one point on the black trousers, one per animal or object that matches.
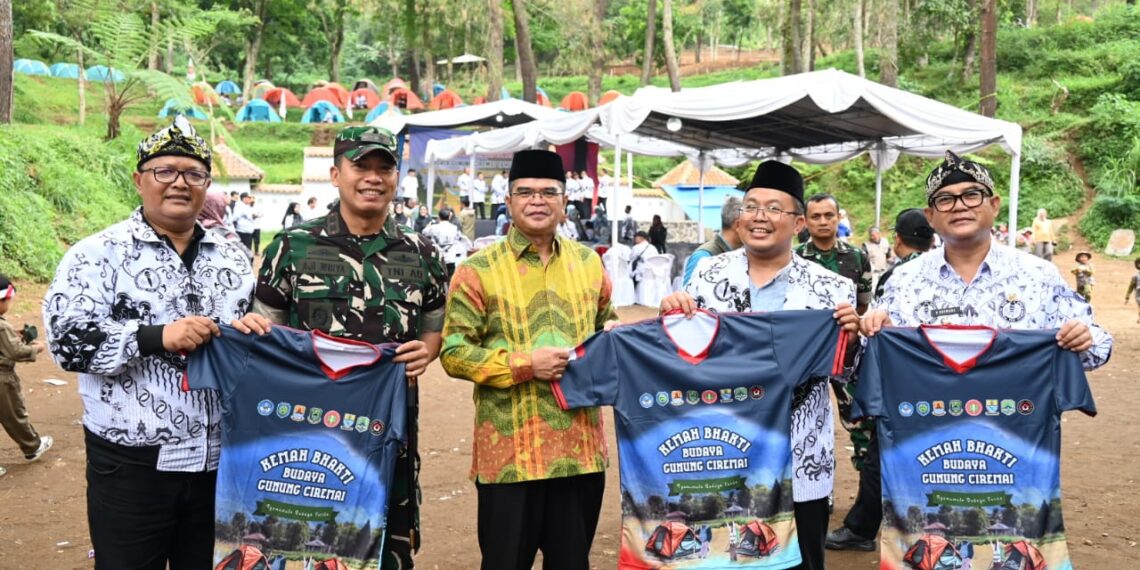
(256, 241)
(141, 518)
(246, 240)
(811, 525)
(558, 516)
(480, 211)
(866, 514)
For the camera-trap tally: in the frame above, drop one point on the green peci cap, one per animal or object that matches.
(355, 142)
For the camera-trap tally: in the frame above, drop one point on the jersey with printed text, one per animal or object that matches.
(703, 410)
(969, 423)
(311, 427)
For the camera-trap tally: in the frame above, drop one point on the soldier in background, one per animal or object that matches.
(321, 275)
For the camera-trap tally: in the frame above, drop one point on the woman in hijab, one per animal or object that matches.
(213, 219)
(423, 218)
(658, 233)
(292, 216)
(398, 213)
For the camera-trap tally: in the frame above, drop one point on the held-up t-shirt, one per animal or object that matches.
(969, 424)
(703, 410)
(311, 428)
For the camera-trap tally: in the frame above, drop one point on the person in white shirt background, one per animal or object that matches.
(605, 184)
(479, 196)
(572, 193)
(586, 187)
(410, 185)
(242, 218)
(465, 182)
(311, 210)
(498, 191)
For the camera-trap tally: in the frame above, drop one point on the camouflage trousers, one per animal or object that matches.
(859, 431)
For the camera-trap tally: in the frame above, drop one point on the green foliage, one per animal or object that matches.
(1109, 213)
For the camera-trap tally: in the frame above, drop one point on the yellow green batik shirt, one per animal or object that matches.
(504, 304)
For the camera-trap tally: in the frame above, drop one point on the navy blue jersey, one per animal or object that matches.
(703, 410)
(311, 428)
(969, 424)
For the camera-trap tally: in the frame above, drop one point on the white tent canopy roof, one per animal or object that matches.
(465, 58)
(503, 113)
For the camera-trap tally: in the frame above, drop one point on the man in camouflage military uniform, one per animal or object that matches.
(357, 274)
(848, 261)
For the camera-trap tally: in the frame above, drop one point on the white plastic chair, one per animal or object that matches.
(616, 262)
(457, 252)
(485, 241)
(653, 284)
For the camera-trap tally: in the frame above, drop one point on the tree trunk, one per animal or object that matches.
(82, 85)
(971, 49)
(988, 69)
(1030, 13)
(809, 38)
(429, 58)
(6, 62)
(889, 60)
(409, 31)
(253, 47)
(526, 52)
(152, 59)
(793, 46)
(700, 38)
(650, 39)
(858, 21)
(518, 64)
(336, 40)
(598, 49)
(670, 51)
(168, 61)
(495, 50)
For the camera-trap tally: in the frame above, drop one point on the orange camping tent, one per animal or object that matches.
(447, 99)
(575, 101)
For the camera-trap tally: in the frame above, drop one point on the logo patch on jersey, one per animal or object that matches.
(1025, 407)
(741, 394)
(283, 409)
(1008, 407)
(349, 422)
(756, 392)
(993, 408)
(332, 419)
(646, 400)
(362, 424)
(923, 408)
(298, 413)
(692, 397)
(726, 395)
(265, 407)
(708, 396)
(974, 408)
(938, 408)
(906, 409)
(315, 415)
(677, 398)
(377, 427)
(663, 398)
(956, 407)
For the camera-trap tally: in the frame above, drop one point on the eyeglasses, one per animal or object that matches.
(970, 199)
(528, 193)
(166, 175)
(769, 211)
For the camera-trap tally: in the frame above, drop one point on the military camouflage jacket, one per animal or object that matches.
(389, 287)
(846, 260)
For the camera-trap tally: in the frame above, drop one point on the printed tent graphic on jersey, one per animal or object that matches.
(273, 95)
(245, 557)
(104, 73)
(932, 552)
(257, 110)
(30, 67)
(1021, 555)
(325, 94)
(64, 70)
(672, 540)
(757, 539)
(173, 107)
(445, 99)
(320, 110)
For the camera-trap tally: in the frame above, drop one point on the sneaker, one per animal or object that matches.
(45, 444)
(844, 539)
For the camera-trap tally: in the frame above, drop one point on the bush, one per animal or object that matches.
(1109, 213)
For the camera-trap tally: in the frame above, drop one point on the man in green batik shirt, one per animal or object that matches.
(357, 274)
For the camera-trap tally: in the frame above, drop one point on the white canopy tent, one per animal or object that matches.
(818, 117)
(503, 113)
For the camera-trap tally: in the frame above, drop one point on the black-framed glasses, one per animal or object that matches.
(545, 193)
(753, 211)
(167, 175)
(970, 199)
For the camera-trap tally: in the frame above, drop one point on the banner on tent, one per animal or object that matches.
(447, 171)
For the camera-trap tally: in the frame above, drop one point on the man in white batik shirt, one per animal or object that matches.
(125, 307)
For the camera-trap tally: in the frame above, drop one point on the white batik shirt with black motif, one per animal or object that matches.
(721, 284)
(107, 286)
(1012, 290)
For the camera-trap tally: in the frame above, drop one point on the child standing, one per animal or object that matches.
(13, 413)
(1134, 286)
(1084, 273)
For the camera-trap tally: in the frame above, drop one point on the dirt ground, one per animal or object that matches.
(43, 514)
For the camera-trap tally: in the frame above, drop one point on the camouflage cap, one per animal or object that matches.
(179, 139)
(355, 142)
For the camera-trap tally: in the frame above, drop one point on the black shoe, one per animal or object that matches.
(844, 539)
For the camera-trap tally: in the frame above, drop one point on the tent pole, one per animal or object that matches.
(701, 197)
(617, 193)
(431, 186)
(1014, 188)
(879, 191)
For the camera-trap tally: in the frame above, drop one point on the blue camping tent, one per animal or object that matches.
(257, 110)
(504, 94)
(102, 73)
(687, 196)
(65, 70)
(227, 87)
(173, 107)
(437, 88)
(320, 110)
(30, 67)
(376, 112)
